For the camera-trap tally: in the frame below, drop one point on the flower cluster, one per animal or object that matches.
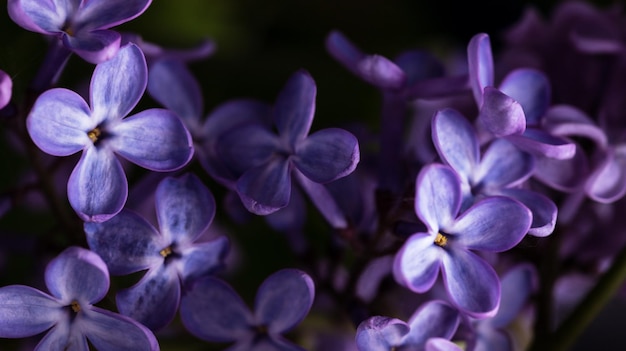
(482, 213)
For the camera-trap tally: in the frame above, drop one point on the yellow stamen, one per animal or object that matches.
(94, 134)
(75, 306)
(441, 240)
(166, 251)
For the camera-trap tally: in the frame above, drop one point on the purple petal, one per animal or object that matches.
(155, 139)
(564, 175)
(493, 339)
(26, 311)
(6, 89)
(283, 300)
(203, 258)
(102, 14)
(437, 196)
(185, 208)
(267, 188)
(154, 300)
(94, 47)
(417, 264)
(504, 165)
(607, 183)
(37, 16)
(440, 344)
(213, 311)
(246, 146)
(480, 65)
(327, 155)
(59, 122)
(111, 331)
(77, 274)
(543, 209)
(501, 114)
(434, 318)
(531, 89)
(456, 141)
(126, 242)
(118, 84)
(97, 188)
(569, 121)
(62, 337)
(495, 223)
(323, 201)
(539, 142)
(517, 286)
(380, 72)
(472, 283)
(380, 333)
(294, 107)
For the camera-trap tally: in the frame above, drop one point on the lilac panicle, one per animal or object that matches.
(128, 243)
(211, 310)
(6, 89)
(493, 224)
(77, 279)
(61, 123)
(82, 26)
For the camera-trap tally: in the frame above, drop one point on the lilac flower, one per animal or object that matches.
(493, 224)
(82, 26)
(61, 123)
(76, 279)
(6, 89)
(128, 243)
(500, 171)
(211, 310)
(429, 329)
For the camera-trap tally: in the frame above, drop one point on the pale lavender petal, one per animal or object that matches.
(6, 89)
(417, 264)
(456, 141)
(185, 208)
(61, 337)
(118, 84)
(531, 89)
(539, 142)
(607, 183)
(203, 258)
(97, 188)
(111, 331)
(109, 13)
(327, 155)
(517, 286)
(77, 274)
(155, 139)
(504, 165)
(153, 301)
(380, 333)
(126, 242)
(294, 107)
(543, 209)
(437, 196)
(440, 344)
(500, 114)
(94, 47)
(213, 311)
(267, 188)
(59, 122)
(472, 283)
(434, 318)
(26, 311)
(480, 65)
(37, 16)
(283, 300)
(495, 223)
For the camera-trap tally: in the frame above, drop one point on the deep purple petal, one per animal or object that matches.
(203, 258)
(59, 122)
(607, 183)
(185, 208)
(267, 188)
(118, 84)
(94, 47)
(6, 89)
(504, 165)
(543, 209)
(472, 283)
(564, 175)
(517, 286)
(531, 89)
(26, 311)
(283, 300)
(380, 72)
(154, 300)
(495, 223)
(213, 311)
(155, 139)
(323, 200)
(456, 141)
(569, 121)
(97, 188)
(246, 146)
(434, 318)
(106, 330)
(61, 337)
(101, 14)
(77, 274)
(417, 264)
(380, 333)
(441, 344)
(501, 114)
(437, 196)
(493, 339)
(327, 155)
(294, 107)
(126, 242)
(539, 142)
(480, 65)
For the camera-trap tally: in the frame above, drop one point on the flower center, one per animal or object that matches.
(75, 306)
(441, 240)
(166, 252)
(94, 134)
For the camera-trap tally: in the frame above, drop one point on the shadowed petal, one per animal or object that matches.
(504, 165)
(294, 107)
(213, 311)
(63, 337)
(109, 13)
(607, 183)
(543, 209)
(472, 283)
(565, 175)
(327, 155)
(539, 142)
(517, 286)
(437, 196)
(6, 89)
(267, 188)
(283, 300)
(456, 141)
(441, 344)
(380, 333)
(417, 264)
(246, 146)
(59, 121)
(155, 139)
(126, 242)
(26, 311)
(493, 339)
(433, 319)
(569, 121)
(501, 114)
(203, 258)
(112, 331)
(531, 89)
(480, 65)
(97, 188)
(94, 47)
